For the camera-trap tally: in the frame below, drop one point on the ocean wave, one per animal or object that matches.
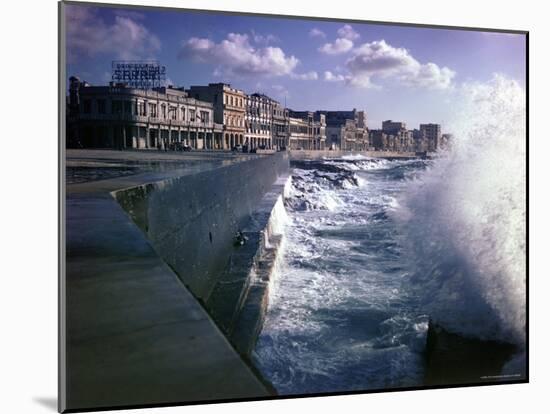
(465, 219)
(313, 189)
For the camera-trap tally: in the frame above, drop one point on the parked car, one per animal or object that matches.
(175, 146)
(186, 148)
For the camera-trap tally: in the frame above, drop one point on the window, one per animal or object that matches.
(192, 115)
(142, 109)
(153, 110)
(183, 114)
(173, 112)
(101, 106)
(205, 118)
(163, 110)
(116, 107)
(87, 106)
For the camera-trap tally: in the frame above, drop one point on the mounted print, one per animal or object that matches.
(268, 206)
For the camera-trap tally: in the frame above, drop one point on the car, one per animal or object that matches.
(186, 148)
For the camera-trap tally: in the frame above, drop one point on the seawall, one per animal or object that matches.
(192, 220)
(135, 333)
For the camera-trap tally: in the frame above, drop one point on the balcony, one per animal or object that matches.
(145, 120)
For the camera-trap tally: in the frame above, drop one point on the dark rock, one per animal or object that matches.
(455, 359)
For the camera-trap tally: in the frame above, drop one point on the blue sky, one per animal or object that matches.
(393, 72)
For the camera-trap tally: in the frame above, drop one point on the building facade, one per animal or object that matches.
(229, 110)
(259, 121)
(393, 127)
(346, 130)
(393, 136)
(432, 134)
(398, 139)
(280, 135)
(379, 140)
(118, 116)
(306, 130)
(319, 131)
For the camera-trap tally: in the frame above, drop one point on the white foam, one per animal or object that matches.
(465, 218)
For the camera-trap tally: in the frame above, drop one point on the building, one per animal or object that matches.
(300, 133)
(306, 130)
(259, 121)
(280, 135)
(379, 140)
(229, 110)
(319, 131)
(392, 127)
(404, 141)
(119, 116)
(432, 134)
(346, 130)
(398, 138)
(420, 142)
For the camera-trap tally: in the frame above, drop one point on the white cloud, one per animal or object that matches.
(263, 39)
(312, 75)
(317, 33)
(347, 32)
(379, 59)
(332, 77)
(236, 56)
(430, 75)
(361, 81)
(339, 46)
(281, 91)
(89, 34)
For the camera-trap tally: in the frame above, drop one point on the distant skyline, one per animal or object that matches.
(401, 73)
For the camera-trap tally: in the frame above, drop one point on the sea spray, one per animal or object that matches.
(278, 221)
(465, 219)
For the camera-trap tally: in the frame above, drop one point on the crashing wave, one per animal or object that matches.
(312, 187)
(465, 220)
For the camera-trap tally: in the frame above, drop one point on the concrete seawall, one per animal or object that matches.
(135, 333)
(192, 220)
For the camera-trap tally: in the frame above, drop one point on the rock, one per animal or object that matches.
(453, 359)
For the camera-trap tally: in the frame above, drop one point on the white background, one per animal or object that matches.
(28, 229)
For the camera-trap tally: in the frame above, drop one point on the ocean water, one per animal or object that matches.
(339, 316)
(372, 249)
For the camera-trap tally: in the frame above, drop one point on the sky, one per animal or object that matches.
(402, 73)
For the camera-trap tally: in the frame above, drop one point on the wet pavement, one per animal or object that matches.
(94, 165)
(135, 334)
